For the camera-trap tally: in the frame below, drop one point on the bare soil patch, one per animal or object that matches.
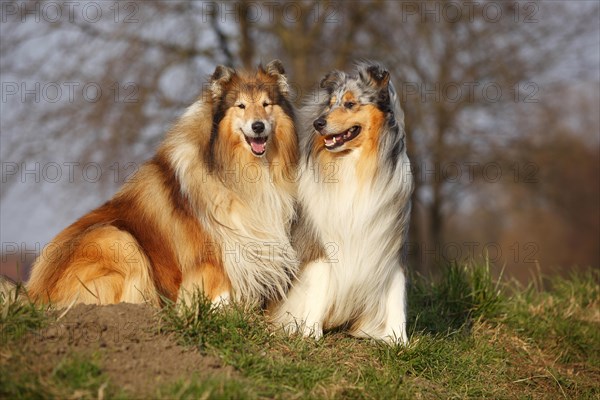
(123, 339)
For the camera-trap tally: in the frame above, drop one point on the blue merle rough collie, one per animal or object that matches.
(354, 194)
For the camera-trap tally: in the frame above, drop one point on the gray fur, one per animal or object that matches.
(365, 288)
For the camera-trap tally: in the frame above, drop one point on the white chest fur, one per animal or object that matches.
(254, 235)
(362, 227)
(357, 222)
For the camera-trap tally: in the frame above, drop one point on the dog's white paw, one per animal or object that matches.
(307, 329)
(221, 301)
(396, 339)
(314, 330)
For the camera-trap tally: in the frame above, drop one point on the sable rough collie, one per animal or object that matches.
(354, 194)
(211, 211)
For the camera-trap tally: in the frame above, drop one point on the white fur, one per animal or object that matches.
(362, 279)
(249, 217)
(221, 300)
(257, 253)
(246, 127)
(193, 109)
(305, 306)
(362, 224)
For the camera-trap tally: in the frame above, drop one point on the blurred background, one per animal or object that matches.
(501, 101)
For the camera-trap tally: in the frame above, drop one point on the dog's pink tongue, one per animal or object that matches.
(258, 147)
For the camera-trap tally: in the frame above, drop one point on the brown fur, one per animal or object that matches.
(156, 237)
(370, 119)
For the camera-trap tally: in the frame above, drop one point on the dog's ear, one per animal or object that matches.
(374, 75)
(218, 79)
(331, 81)
(275, 69)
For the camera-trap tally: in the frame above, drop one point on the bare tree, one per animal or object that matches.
(465, 73)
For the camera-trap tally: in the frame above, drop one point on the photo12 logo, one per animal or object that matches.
(459, 252)
(468, 92)
(470, 11)
(68, 171)
(52, 12)
(271, 11)
(471, 171)
(68, 92)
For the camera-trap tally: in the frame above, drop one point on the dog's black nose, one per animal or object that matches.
(258, 127)
(320, 123)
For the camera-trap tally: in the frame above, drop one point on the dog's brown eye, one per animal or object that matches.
(349, 104)
(266, 104)
(242, 106)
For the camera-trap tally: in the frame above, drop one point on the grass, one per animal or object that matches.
(460, 296)
(76, 376)
(18, 317)
(471, 337)
(564, 320)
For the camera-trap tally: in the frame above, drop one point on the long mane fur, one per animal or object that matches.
(354, 217)
(202, 213)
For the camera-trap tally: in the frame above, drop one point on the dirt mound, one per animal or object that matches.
(124, 338)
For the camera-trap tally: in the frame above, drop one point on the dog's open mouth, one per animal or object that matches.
(258, 145)
(337, 140)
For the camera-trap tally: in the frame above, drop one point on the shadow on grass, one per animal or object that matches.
(461, 294)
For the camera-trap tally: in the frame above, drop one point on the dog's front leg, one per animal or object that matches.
(307, 302)
(395, 322)
(210, 280)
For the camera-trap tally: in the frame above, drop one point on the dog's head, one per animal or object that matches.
(247, 107)
(355, 109)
